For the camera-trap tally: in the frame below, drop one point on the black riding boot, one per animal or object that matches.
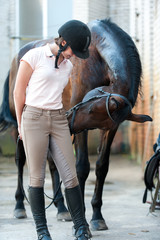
(36, 198)
(76, 208)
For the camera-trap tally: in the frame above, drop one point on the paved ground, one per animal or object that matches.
(125, 215)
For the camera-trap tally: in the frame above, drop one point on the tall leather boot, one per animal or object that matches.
(36, 198)
(76, 208)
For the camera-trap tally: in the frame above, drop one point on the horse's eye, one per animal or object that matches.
(107, 81)
(117, 103)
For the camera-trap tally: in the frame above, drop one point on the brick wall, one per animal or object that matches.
(97, 9)
(156, 68)
(144, 136)
(81, 10)
(119, 12)
(7, 46)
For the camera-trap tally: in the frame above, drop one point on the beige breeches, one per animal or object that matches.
(43, 129)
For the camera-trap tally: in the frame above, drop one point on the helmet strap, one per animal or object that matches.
(61, 49)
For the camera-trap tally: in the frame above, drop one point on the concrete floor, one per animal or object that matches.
(125, 214)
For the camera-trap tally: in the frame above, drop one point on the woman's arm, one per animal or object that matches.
(23, 76)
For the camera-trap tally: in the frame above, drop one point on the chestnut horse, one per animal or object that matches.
(103, 89)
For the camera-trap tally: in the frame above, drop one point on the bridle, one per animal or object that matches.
(104, 94)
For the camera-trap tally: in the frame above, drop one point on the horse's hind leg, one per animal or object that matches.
(19, 211)
(63, 214)
(102, 166)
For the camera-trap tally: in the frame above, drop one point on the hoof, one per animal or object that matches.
(64, 217)
(20, 213)
(98, 225)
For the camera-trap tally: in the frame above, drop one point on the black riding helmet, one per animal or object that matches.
(78, 37)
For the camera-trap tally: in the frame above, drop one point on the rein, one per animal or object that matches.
(75, 108)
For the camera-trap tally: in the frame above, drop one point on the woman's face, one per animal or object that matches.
(68, 53)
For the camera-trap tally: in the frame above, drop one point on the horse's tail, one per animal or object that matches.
(6, 119)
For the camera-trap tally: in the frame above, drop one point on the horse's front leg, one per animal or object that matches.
(102, 166)
(63, 214)
(19, 211)
(82, 161)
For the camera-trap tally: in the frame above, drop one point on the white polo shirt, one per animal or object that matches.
(46, 84)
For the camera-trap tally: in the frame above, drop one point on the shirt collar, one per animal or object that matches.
(48, 50)
(49, 53)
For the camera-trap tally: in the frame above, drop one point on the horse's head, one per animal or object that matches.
(103, 110)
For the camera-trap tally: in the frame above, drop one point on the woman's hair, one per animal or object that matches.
(58, 40)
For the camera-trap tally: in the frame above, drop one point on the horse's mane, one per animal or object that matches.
(125, 42)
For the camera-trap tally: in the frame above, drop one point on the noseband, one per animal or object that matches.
(104, 94)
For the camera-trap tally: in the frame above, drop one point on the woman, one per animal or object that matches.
(43, 74)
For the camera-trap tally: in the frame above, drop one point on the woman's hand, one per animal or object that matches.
(19, 131)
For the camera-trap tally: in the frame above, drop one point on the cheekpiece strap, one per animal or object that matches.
(61, 49)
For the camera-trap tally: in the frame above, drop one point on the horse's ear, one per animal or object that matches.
(141, 118)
